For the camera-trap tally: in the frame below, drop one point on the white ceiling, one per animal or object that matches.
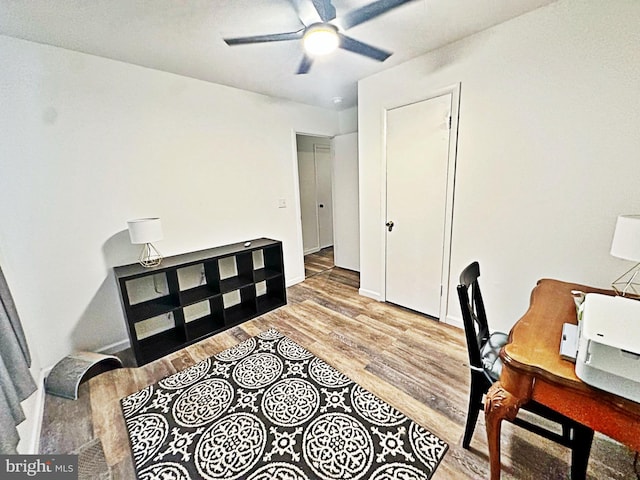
(185, 37)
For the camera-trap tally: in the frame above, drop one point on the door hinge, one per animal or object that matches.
(449, 122)
(441, 288)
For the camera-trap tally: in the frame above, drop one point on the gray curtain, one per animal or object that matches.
(16, 383)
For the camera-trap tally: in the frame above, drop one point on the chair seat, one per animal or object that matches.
(490, 355)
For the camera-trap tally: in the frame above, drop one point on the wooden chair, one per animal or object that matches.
(485, 365)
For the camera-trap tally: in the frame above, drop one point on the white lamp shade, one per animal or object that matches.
(626, 238)
(145, 230)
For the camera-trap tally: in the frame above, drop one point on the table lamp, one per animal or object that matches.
(144, 231)
(626, 245)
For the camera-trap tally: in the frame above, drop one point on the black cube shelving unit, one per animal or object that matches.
(192, 296)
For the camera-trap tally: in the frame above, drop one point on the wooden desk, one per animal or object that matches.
(533, 370)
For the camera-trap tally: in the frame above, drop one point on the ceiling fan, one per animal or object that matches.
(323, 36)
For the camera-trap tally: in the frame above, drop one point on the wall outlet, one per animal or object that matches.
(282, 203)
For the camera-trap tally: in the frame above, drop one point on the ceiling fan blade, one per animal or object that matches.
(305, 65)
(274, 37)
(363, 14)
(325, 9)
(357, 46)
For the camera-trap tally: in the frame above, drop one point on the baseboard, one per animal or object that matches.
(370, 294)
(311, 250)
(114, 347)
(292, 281)
(34, 447)
(454, 321)
(347, 266)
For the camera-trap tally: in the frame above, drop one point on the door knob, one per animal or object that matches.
(389, 225)
(321, 205)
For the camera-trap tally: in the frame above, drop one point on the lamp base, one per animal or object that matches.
(626, 285)
(149, 256)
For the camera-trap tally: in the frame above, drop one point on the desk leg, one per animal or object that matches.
(499, 405)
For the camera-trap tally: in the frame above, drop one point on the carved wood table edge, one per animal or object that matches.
(534, 370)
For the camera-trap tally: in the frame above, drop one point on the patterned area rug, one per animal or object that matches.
(268, 409)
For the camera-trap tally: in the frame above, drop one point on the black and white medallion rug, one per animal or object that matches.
(267, 409)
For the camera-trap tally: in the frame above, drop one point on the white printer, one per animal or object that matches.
(609, 344)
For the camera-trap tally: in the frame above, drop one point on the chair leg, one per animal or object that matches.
(475, 405)
(580, 449)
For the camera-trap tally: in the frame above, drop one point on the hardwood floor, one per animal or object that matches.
(318, 262)
(412, 362)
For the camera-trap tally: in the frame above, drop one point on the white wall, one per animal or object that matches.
(346, 230)
(547, 149)
(88, 143)
(348, 120)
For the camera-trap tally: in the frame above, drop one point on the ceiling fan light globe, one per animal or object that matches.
(320, 40)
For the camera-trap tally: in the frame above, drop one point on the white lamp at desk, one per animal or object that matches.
(626, 245)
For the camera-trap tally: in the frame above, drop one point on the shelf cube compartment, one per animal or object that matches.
(203, 318)
(145, 289)
(261, 289)
(159, 344)
(235, 272)
(198, 282)
(239, 304)
(273, 258)
(270, 294)
(154, 326)
(191, 276)
(258, 259)
(150, 296)
(266, 263)
(196, 310)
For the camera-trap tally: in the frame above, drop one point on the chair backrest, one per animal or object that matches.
(474, 316)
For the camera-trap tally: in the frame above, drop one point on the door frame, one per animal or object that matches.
(445, 272)
(298, 206)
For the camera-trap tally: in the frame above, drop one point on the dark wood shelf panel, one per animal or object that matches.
(153, 308)
(135, 270)
(239, 313)
(264, 273)
(267, 303)
(235, 283)
(178, 301)
(198, 294)
(160, 344)
(203, 327)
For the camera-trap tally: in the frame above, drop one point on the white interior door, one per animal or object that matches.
(417, 161)
(308, 204)
(324, 202)
(315, 177)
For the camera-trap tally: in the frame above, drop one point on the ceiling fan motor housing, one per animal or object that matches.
(320, 39)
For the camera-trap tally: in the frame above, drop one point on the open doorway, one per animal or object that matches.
(315, 179)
